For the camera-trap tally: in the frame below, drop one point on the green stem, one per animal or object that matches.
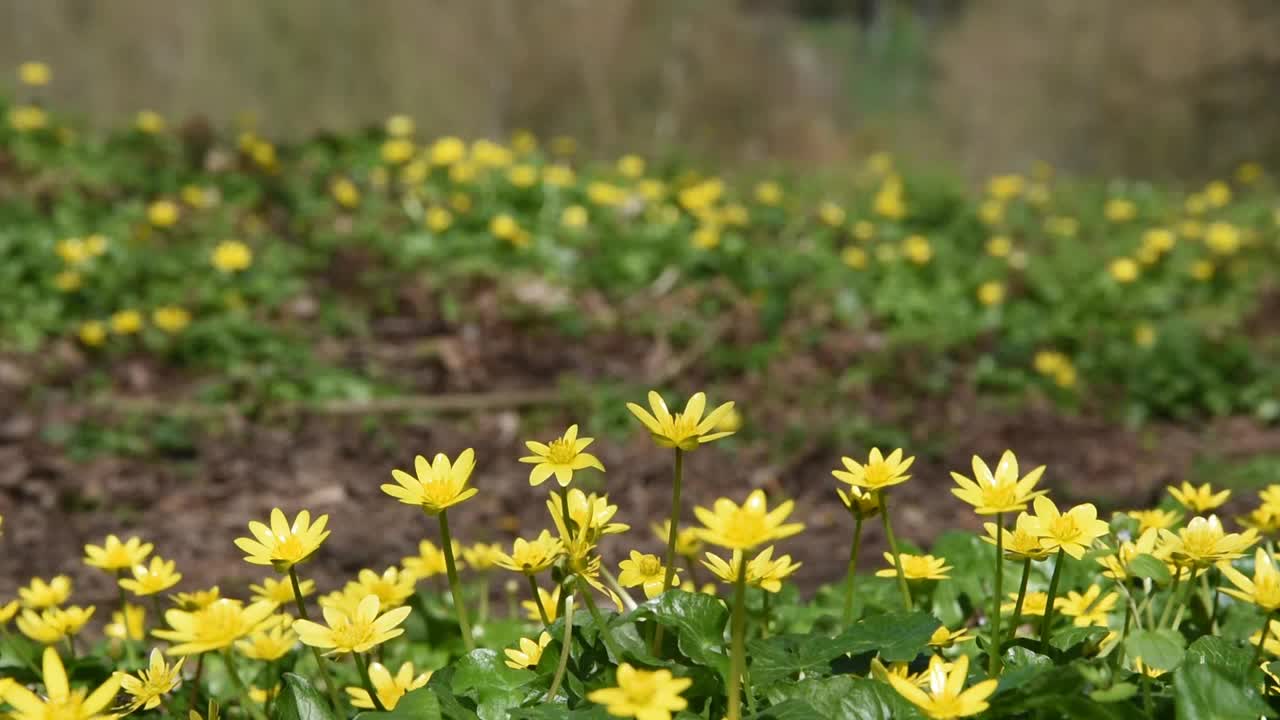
(1262, 643)
(363, 666)
(673, 529)
(993, 663)
(1124, 632)
(1022, 596)
(565, 647)
(1047, 623)
(768, 612)
(1187, 594)
(1147, 707)
(893, 548)
(627, 601)
(851, 574)
(606, 634)
(737, 631)
(1173, 597)
(330, 686)
(249, 706)
(130, 652)
(482, 614)
(537, 601)
(455, 587)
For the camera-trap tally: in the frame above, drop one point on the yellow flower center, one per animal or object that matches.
(913, 566)
(289, 548)
(1064, 528)
(683, 426)
(744, 529)
(1199, 542)
(649, 566)
(347, 635)
(878, 473)
(218, 624)
(561, 452)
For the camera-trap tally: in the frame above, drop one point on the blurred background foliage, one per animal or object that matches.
(1148, 88)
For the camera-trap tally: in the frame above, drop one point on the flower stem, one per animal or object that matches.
(1173, 596)
(1047, 623)
(737, 631)
(1124, 632)
(1187, 594)
(330, 686)
(537, 601)
(627, 601)
(1262, 643)
(893, 548)
(455, 587)
(605, 633)
(363, 666)
(248, 705)
(993, 662)
(673, 529)
(851, 575)
(565, 648)
(1022, 596)
(768, 612)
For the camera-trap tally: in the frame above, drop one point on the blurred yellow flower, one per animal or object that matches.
(92, 333)
(171, 319)
(701, 196)
(916, 567)
(991, 293)
(854, 257)
(436, 485)
(945, 697)
(1202, 270)
(60, 701)
(399, 126)
(1144, 335)
(1222, 238)
(1006, 187)
(831, 214)
(359, 631)
(768, 193)
(1217, 194)
(232, 256)
(268, 644)
(889, 201)
(550, 604)
(705, 237)
(345, 192)
(991, 212)
(149, 686)
(126, 322)
(1198, 499)
(643, 694)
(68, 281)
(917, 249)
(389, 688)
(280, 592)
(397, 151)
(163, 213)
(158, 576)
(1263, 590)
(447, 151)
(34, 73)
(999, 246)
(574, 217)
(1119, 210)
(25, 118)
(1155, 519)
(1022, 543)
(605, 194)
(743, 527)
(52, 625)
(631, 166)
(39, 594)
(127, 624)
(1089, 608)
(149, 122)
(438, 219)
(522, 176)
(688, 543)
(1123, 270)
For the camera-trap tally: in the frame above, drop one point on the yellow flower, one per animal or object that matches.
(1147, 670)
(197, 599)
(768, 193)
(605, 195)
(151, 579)
(589, 520)
(437, 485)
(34, 73)
(1263, 590)
(25, 118)
(1273, 638)
(150, 685)
(392, 587)
(999, 492)
(163, 213)
(831, 214)
(916, 567)
(1123, 270)
(114, 555)
(767, 573)
(1203, 543)
(1222, 238)
(945, 696)
(344, 192)
(878, 473)
(558, 175)
(685, 430)
(53, 625)
(943, 638)
(482, 556)
(743, 527)
(129, 624)
(1006, 187)
(643, 694)
(999, 246)
(687, 542)
(991, 212)
(735, 215)
(126, 322)
(40, 594)
(171, 319)
(429, 561)
(60, 702)
(232, 256)
(282, 545)
(532, 556)
(574, 217)
(860, 502)
(1033, 604)
(358, 631)
(1155, 519)
(1116, 565)
(396, 151)
(1199, 499)
(855, 257)
(149, 122)
(399, 125)
(1022, 543)
(528, 653)
(1120, 210)
(644, 570)
(701, 196)
(212, 627)
(550, 603)
(390, 688)
(1073, 532)
(92, 333)
(991, 293)
(888, 201)
(268, 644)
(706, 236)
(1264, 519)
(487, 153)
(562, 457)
(67, 281)
(447, 151)
(1089, 608)
(631, 166)
(917, 249)
(1202, 270)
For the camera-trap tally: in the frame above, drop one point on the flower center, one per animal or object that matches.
(1199, 543)
(683, 426)
(1064, 528)
(218, 622)
(349, 635)
(650, 566)
(561, 452)
(878, 474)
(288, 548)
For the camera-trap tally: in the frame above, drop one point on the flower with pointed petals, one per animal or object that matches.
(53, 625)
(916, 567)
(482, 556)
(863, 503)
(268, 644)
(429, 562)
(561, 458)
(528, 654)
(149, 686)
(763, 571)
(196, 599)
(685, 430)
(945, 697)
(1088, 608)
(127, 624)
(589, 520)
(151, 579)
(1203, 542)
(878, 473)
(1116, 565)
(40, 594)
(114, 555)
(7, 611)
(743, 527)
(1264, 518)
(1034, 603)
(436, 485)
(644, 570)
(1000, 491)
(213, 627)
(943, 638)
(532, 556)
(282, 545)
(392, 587)
(1021, 543)
(1155, 519)
(1263, 590)
(390, 688)
(687, 543)
(60, 701)
(355, 632)
(550, 603)
(280, 592)
(1199, 499)
(643, 694)
(1073, 532)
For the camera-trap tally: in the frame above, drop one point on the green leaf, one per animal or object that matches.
(847, 698)
(699, 621)
(299, 700)
(1207, 692)
(1217, 651)
(898, 637)
(559, 712)
(1116, 693)
(1148, 566)
(483, 676)
(1159, 649)
(420, 704)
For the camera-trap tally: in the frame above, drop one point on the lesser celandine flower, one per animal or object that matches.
(643, 694)
(945, 696)
(943, 638)
(389, 688)
(355, 632)
(213, 627)
(1263, 590)
(1000, 491)
(549, 602)
(763, 571)
(1199, 499)
(392, 587)
(1088, 608)
(280, 592)
(163, 213)
(1033, 603)
(196, 599)
(482, 556)
(283, 545)
(860, 502)
(428, 563)
(7, 611)
(561, 458)
(1022, 543)
(687, 542)
(746, 526)
(644, 570)
(114, 555)
(878, 473)
(1072, 532)
(590, 515)
(39, 594)
(128, 623)
(60, 701)
(915, 567)
(1116, 565)
(268, 644)
(532, 556)
(158, 576)
(1155, 519)
(1203, 542)
(231, 256)
(436, 485)
(528, 654)
(685, 430)
(149, 686)
(34, 73)
(53, 625)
